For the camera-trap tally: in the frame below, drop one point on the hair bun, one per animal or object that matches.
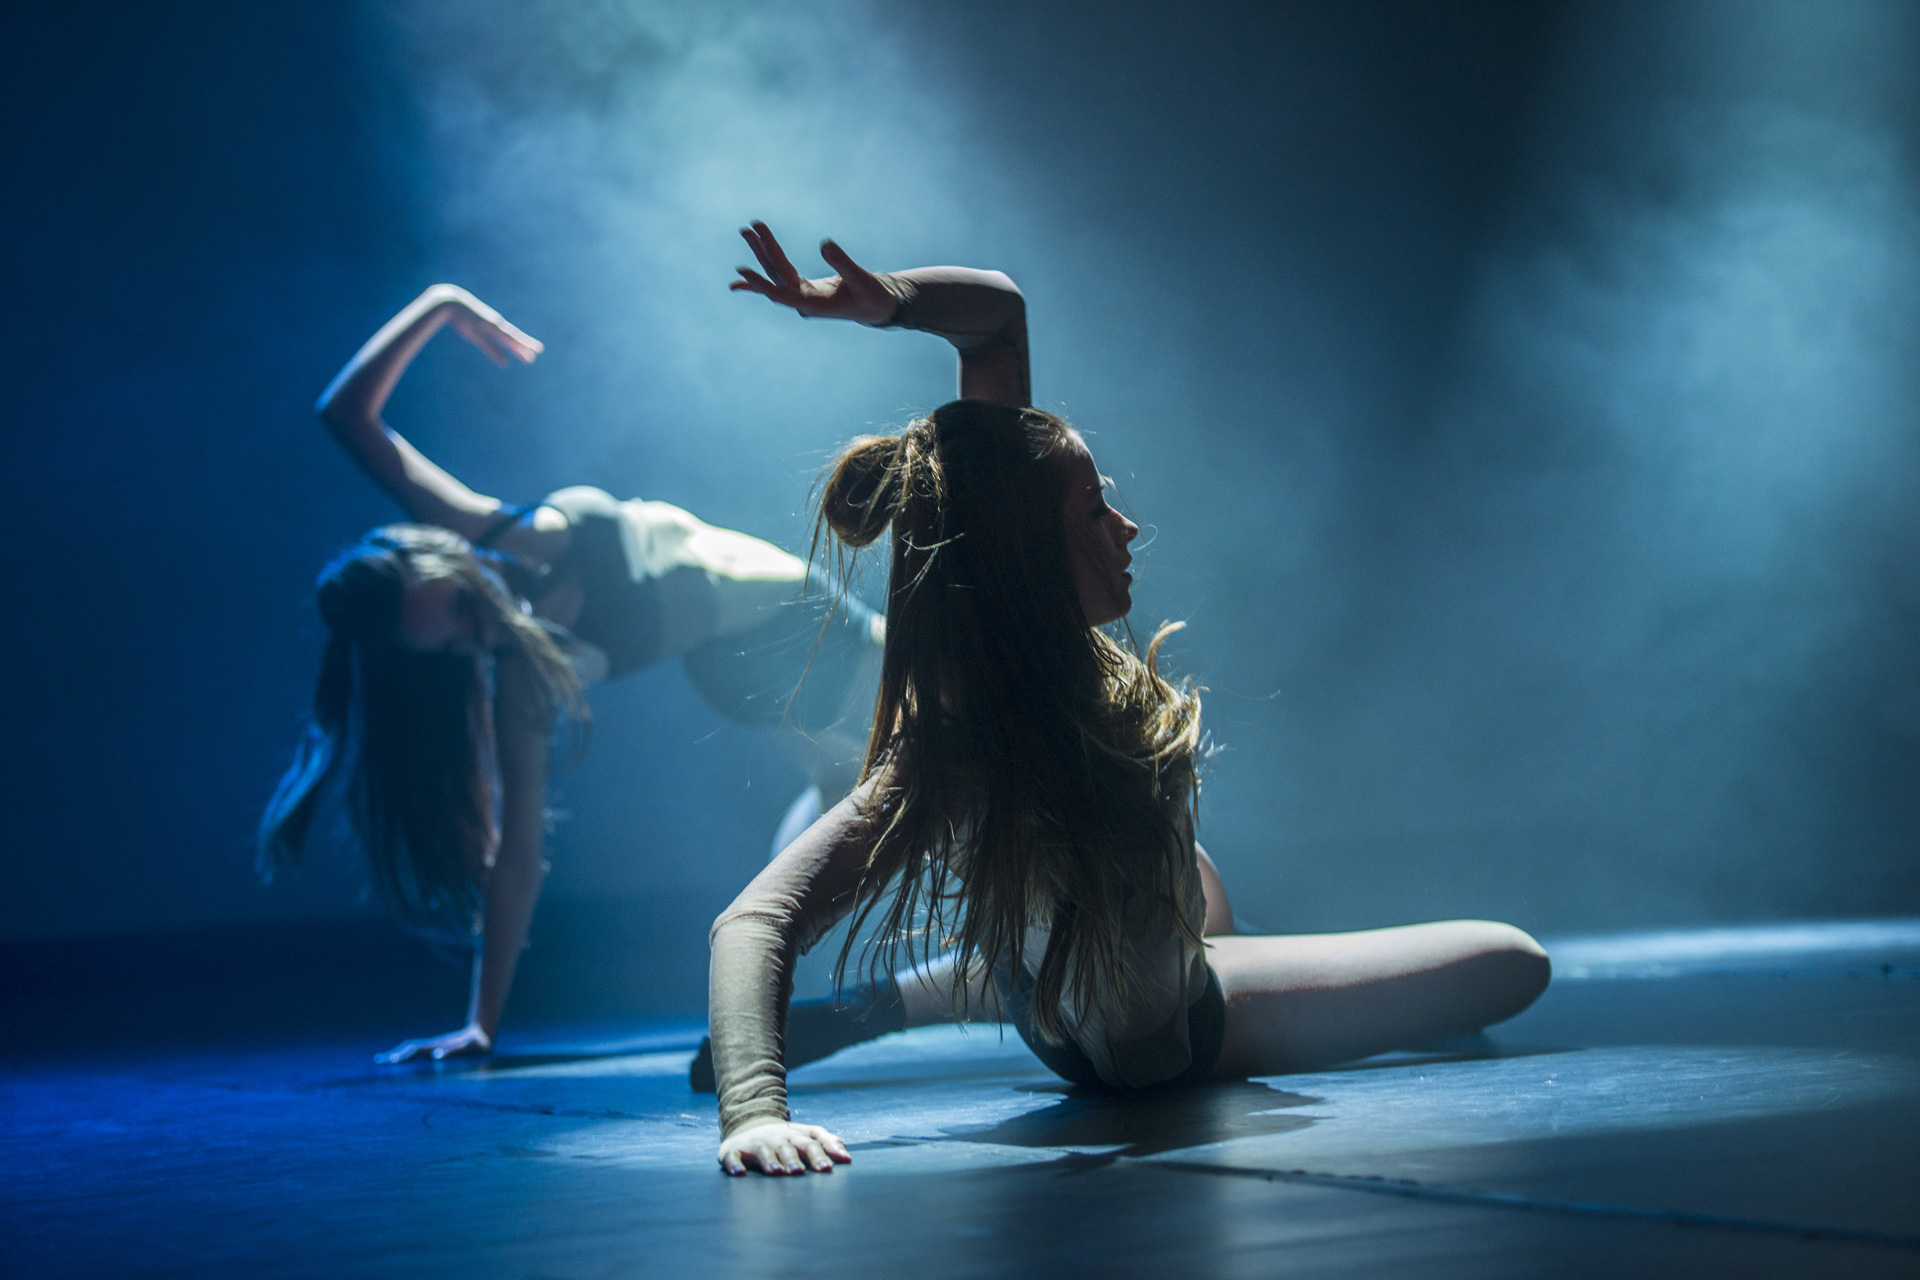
(866, 488)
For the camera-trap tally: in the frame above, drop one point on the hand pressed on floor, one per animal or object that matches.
(781, 1147)
(468, 1042)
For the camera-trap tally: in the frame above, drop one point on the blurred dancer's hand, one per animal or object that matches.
(855, 294)
(488, 330)
(781, 1147)
(468, 1042)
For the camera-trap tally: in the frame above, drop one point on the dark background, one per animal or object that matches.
(1519, 398)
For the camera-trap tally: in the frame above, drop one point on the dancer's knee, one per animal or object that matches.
(1517, 965)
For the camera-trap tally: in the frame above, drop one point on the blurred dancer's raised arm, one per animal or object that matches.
(352, 405)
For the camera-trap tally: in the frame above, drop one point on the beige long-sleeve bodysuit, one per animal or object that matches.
(809, 888)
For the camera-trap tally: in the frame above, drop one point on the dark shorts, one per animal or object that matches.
(1206, 1027)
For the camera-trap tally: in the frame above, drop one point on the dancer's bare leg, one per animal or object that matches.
(1307, 1001)
(927, 991)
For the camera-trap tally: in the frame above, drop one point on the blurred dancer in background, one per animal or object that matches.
(455, 640)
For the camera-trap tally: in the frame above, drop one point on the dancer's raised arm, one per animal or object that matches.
(982, 313)
(352, 404)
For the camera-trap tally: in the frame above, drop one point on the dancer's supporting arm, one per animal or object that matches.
(789, 906)
(982, 313)
(352, 405)
(522, 721)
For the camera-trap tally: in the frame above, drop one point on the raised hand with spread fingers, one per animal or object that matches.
(982, 313)
(855, 294)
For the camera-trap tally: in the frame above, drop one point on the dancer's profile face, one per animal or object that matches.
(439, 615)
(1097, 538)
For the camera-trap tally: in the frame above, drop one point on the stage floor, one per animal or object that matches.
(1740, 1102)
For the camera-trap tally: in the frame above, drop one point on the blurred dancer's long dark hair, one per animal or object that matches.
(1034, 769)
(405, 738)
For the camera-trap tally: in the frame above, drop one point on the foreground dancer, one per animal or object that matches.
(453, 641)
(1029, 792)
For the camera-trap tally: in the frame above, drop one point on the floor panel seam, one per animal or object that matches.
(1407, 1188)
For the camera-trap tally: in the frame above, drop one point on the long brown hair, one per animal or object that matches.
(1033, 770)
(406, 738)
